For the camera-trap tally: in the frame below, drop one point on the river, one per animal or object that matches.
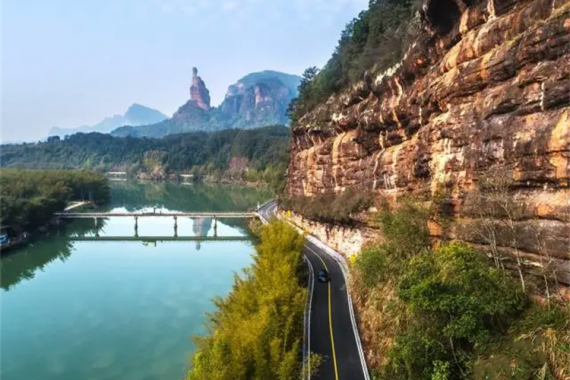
(121, 310)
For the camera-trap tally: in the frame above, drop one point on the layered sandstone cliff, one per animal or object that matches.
(487, 85)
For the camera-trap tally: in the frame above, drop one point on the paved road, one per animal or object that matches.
(331, 330)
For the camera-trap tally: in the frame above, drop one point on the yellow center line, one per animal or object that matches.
(330, 315)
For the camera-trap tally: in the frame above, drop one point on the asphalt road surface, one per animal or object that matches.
(331, 331)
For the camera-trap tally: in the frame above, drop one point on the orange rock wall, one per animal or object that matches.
(492, 89)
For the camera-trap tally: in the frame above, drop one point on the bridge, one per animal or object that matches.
(154, 239)
(136, 215)
(213, 215)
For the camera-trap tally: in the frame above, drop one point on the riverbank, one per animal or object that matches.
(192, 179)
(260, 323)
(157, 294)
(29, 199)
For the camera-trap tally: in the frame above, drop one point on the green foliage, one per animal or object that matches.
(256, 332)
(405, 234)
(453, 300)
(330, 207)
(374, 40)
(374, 264)
(455, 286)
(537, 346)
(405, 229)
(457, 301)
(30, 197)
(265, 151)
(440, 370)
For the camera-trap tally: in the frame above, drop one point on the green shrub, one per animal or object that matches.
(454, 315)
(456, 285)
(457, 301)
(406, 228)
(257, 330)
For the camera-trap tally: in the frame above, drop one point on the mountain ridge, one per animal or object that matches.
(255, 100)
(136, 114)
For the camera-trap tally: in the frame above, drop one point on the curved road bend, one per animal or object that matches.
(332, 335)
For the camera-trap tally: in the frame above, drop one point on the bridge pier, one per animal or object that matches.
(136, 226)
(96, 222)
(215, 227)
(175, 226)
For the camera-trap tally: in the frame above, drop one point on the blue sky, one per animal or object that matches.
(72, 62)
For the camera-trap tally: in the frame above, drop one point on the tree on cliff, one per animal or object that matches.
(374, 40)
(497, 213)
(298, 105)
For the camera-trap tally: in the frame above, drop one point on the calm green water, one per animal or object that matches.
(120, 310)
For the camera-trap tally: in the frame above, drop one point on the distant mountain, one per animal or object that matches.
(256, 100)
(135, 115)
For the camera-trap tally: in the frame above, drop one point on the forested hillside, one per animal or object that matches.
(250, 152)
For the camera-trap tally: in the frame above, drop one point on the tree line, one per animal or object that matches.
(256, 332)
(28, 198)
(259, 154)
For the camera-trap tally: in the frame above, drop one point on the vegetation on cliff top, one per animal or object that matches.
(374, 40)
(260, 154)
(28, 198)
(256, 331)
(447, 313)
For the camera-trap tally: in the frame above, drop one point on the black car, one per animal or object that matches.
(323, 276)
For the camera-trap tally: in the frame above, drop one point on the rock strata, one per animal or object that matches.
(486, 86)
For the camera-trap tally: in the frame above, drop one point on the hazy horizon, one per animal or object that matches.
(70, 63)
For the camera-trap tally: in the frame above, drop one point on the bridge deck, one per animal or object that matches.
(217, 215)
(160, 238)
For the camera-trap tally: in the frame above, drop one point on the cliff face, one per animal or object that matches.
(487, 85)
(258, 99)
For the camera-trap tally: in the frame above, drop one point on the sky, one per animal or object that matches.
(69, 63)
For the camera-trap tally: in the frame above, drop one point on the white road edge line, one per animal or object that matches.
(344, 267)
(308, 316)
(308, 306)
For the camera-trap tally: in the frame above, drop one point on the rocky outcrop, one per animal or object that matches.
(257, 100)
(343, 239)
(486, 86)
(199, 94)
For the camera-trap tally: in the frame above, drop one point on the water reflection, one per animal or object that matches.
(118, 310)
(135, 196)
(22, 263)
(201, 228)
